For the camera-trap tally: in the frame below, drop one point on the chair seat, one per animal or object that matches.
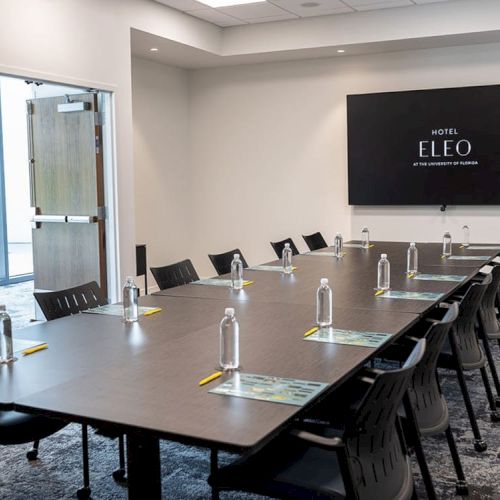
(20, 428)
(286, 468)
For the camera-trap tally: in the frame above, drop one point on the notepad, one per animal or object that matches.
(395, 294)
(21, 345)
(440, 277)
(277, 269)
(468, 257)
(357, 245)
(482, 247)
(219, 282)
(322, 254)
(115, 310)
(349, 337)
(271, 389)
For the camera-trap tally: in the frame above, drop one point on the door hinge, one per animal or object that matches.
(97, 145)
(98, 118)
(101, 213)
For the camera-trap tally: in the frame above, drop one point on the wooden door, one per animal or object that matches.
(67, 191)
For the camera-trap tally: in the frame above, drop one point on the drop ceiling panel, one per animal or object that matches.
(280, 10)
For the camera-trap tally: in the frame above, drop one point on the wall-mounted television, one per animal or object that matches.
(425, 147)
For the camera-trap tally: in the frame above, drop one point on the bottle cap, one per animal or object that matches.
(338, 234)
(236, 256)
(412, 244)
(383, 256)
(324, 281)
(129, 279)
(365, 229)
(229, 311)
(287, 245)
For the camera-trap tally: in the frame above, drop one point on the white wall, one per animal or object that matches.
(161, 143)
(268, 154)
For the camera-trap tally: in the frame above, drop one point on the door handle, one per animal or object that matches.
(66, 219)
(48, 218)
(81, 219)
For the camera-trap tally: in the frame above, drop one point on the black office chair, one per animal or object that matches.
(315, 241)
(64, 303)
(180, 273)
(489, 328)
(463, 352)
(366, 460)
(428, 403)
(280, 245)
(222, 261)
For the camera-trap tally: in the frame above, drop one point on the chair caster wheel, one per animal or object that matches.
(119, 476)
(480, 445)
(462, 489)
(495, 416)
(32, 455)
(83, 493)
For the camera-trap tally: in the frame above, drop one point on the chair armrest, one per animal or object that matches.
(320, 441)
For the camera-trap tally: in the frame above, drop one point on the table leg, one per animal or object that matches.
(214, 466)
(144, 472)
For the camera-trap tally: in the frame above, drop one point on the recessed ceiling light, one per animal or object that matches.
(309, 4)
(340, 51)
(153, 49)
(228, 3)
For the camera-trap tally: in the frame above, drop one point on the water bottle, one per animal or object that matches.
(324, 304)
(466, 239)
(412, 259)
(237, 272)
(338, 245)
(229, 341)
(287, 259)
(365, 238)
(384, 273)
(130, 301)
(446, 244)
(6, 345)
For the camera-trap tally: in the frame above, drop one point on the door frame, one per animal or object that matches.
(107, 94)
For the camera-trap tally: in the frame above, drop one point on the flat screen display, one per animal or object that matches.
(425, 147)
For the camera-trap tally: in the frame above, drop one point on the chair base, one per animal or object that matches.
(495, 416)
(462, 488)
(32, 455)
(480, 445)
(83, 493)
(120, 476)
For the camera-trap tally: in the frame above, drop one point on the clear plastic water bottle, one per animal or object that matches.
(229, 341)
(365, 238)
(412, 259)
(338, 245)
(130, 301)
(466, 238)
(324, 304)
(446, 244)
(287, 258)
(383, 273)
(237, 272)
(6, 344)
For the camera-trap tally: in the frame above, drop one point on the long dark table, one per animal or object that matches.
(143, 378)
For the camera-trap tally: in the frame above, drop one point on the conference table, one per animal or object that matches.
(143, 377)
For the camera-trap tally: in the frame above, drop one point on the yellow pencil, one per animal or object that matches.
(411, 275)
(37, 348)
(209, 378)
(311, 331)
(247, 282)
(379, 292)
(152, 311)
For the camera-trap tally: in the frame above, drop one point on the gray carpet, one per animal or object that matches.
(57, 474)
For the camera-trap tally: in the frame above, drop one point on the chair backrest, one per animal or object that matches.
(378, 457)
(222, 261)
(487, 310)
(180, 273)
(70, 301)
(315, 241)
(431, 411)
(279, 245)
(465, 325)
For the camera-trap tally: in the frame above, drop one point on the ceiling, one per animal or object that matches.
(281, 10)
